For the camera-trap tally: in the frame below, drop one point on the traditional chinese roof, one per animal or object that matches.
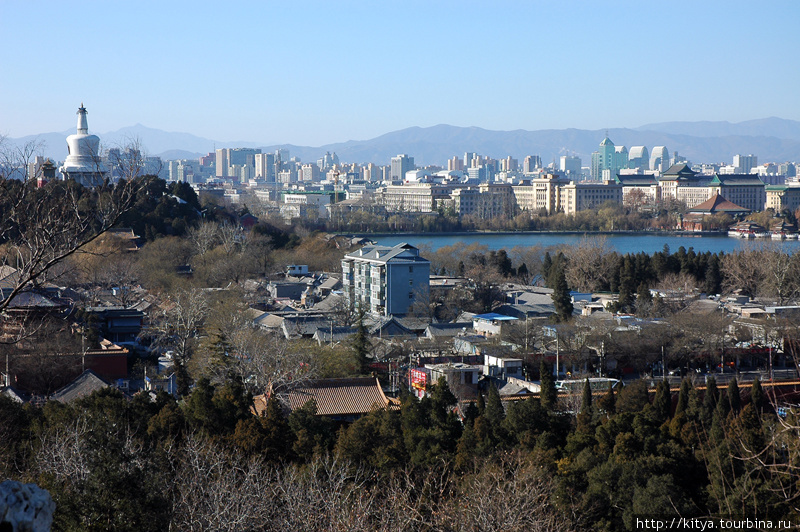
(86, 383)
(334, 397)
(718, 203)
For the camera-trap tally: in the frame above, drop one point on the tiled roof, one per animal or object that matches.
(335, 397)
(717, 203)
(82, 386)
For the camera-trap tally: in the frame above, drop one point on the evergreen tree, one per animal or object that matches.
(548, 395)
(662, 403)
(734, 396)
(683, 397)
(522, 272)
(586, 397)
(495, 414)
(547, 265)
(713, 276)
(561, 298)
(278, 438)
(709, 400)
(643, 294)
(494, 406)
(607, 403)
(757, 397)
(361, 345)
(586, 413)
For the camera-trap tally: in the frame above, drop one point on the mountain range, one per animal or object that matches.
(771, 139)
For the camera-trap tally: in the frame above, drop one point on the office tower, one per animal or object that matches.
(531, 164)
(265, 167)
(620, 159)
(222, 162)
(400, 165)
(509, 164)
(603, 159)
(659, 159)
(744, 163)
(639, 157)
(468, 157)
(570, 165)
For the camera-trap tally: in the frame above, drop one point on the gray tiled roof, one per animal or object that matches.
(85, 384)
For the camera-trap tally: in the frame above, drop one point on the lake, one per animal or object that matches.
(623, 243)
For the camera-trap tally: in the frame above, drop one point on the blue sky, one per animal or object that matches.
(317, 72)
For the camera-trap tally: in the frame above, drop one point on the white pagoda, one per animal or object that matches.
(84, 163)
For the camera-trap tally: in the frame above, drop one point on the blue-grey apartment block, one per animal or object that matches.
(384, 280)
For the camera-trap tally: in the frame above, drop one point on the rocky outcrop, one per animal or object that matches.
(25, 508)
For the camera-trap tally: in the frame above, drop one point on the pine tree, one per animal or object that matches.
(586, 397)
(361, 346)
(713, 283)
(608, 403)
(561, 298)
(734, 396)
(662, 403)
(757, 397)
(548, 395)
(586, 414)
(547, 264)
(683, 397)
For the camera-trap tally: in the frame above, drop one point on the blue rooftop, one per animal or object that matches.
(493, 316)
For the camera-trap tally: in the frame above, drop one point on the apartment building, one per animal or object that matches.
(385, 280)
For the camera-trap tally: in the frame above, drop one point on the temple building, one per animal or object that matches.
(84, 163)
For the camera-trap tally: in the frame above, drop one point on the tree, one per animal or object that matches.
(183, 314)
(548, 395)
(41, 227)
(561, 297)
(590, 265)
(361, 346)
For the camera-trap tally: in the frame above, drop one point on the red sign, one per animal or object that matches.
(418, 378)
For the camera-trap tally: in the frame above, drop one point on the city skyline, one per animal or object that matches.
(325, 73)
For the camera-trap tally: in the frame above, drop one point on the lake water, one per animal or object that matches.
(623, 243)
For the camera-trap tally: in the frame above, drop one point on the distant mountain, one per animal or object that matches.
(771, 139)
(764, 127)
(436, 144)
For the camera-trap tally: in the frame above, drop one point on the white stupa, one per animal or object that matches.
(84, 163)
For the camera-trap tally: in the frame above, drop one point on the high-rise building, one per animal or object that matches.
(468, 157)
(744, 163)
(222, 162)
(659, 159)
(531, 164)
(265, 167)
(603, 159)
(400, 165)
(509, 164)
(570, 165)
(455, 164)
(329, 160)
(639, 158)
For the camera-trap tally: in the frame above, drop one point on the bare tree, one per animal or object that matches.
(41, 227)
(177, 328)
(217, 489)
(590, 264)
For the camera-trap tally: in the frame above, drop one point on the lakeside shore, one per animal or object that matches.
(508, 233)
